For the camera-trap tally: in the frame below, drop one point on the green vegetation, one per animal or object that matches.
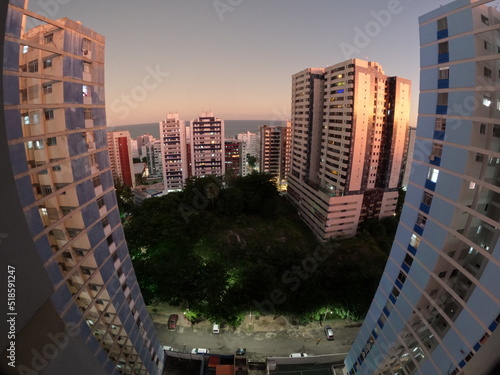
(225, 251)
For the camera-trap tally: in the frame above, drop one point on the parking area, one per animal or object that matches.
(264, 337)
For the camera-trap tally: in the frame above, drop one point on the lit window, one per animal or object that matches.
(47, 63)
(486, 101)
(85, 90)
(472, 185)
(26, 120)
(414, 241)
(38, 144)
(498, 104)
(25, 49)
(433, 174)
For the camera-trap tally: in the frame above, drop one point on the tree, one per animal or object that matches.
(124, 196)
(251, 160)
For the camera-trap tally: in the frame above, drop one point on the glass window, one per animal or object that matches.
(442, 24)
(442, 98)
(48, 38)
(433, 174)
(443, 47)
(444, 72)
(485, 19)
(47, 63)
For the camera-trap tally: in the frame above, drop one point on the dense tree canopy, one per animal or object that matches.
(225, 250)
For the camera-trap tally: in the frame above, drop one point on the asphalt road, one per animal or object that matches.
(261, 341)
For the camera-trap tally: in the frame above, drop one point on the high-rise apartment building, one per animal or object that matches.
(74, 302)
(120, 155)
(250, 143)
(412, 133)
(437, 308)
(349, 127)
(173, 152)
(275, 147)
(207, 146)
(233, 156)
(152, 152)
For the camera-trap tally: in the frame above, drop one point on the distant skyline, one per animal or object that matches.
(235, 58)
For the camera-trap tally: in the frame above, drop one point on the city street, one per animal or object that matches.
(263, 337)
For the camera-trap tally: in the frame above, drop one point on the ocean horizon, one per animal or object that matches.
(232, 127)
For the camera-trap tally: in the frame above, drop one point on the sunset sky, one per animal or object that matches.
(236, 57)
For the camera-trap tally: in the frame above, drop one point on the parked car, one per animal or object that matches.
(199, 351)
(215, 328)
(172, 321)
(241, 351)
(297, 355)
(168, 348)
(329, 333)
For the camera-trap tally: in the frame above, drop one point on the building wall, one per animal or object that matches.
(64, 241)
(207, 146)
(349, 128)
(437, 307)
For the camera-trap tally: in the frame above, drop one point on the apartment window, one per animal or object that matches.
(25, 49)
(85, 90)
(33, 66)
(421, 220)
(414, 241)
(87, 114)
(87, 67)
(96, 181)
(48, 38)
(485, 20)
(56, 168)
(487, 72)
(47, 63)
(59, 234)
(437, 150)
(408, 259)
(487, 45)
(496, 130)
(109, 240)
(440, 124)
(26, 119)
(38, 144)
(444, 72)
(442, 274)
(479, 157)
(47, 88)
(105, 222)
(442, 24)
(427, 199)
(52, 141)
(24, 95)
(87, 270)
(73, 232)
(498, 104)
(67, 255)
(49, 114)
(443, 47)
(486, 100)
(433, 174)
(85, 46)
(442, 98)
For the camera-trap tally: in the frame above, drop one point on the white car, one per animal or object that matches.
(297, 355)
(199, 351)
(215, 328)
(168, 348)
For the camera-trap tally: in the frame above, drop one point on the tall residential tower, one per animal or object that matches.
(75, 306)
(349, 128)
(173, 152)
(437, 308)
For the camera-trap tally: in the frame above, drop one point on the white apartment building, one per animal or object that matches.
(437, 307)
(349, 127)
(173, 152)
(207, 146)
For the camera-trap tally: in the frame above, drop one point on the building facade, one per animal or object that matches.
(349, 127)
(173, 152)
(275, 147)
(233, 156)
(437, 308)
(250, 144)
(206, 142)
(78, 308)
(120, 155)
